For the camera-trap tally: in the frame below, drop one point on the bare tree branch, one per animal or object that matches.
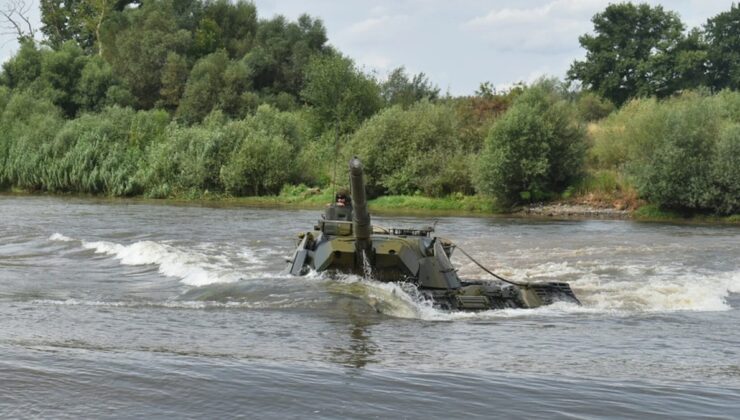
(16, 19)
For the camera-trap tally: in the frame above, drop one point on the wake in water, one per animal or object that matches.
(199, 265)
(603, 287)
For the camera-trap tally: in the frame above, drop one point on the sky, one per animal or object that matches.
(457, 44)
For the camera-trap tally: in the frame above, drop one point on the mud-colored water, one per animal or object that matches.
(140, 310)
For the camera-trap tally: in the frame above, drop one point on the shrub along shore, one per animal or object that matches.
(202, 100)
(680, 157)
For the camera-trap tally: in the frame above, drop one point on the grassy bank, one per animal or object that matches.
(652, 213)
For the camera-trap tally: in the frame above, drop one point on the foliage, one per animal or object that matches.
(93, 87)
(340, 96)
(200, 97)
(71, 80)
(476, 115)
(203, 87)
(534, 150)
(723, 44)
(136, 44)
(413, 150)
(680, 153)
(636, 51)
(399, 89)
(226, 26)
(123, 152)
(282, 52)
(592, 107)
(726, 171)
(617, 140)
(174, 77)
(27, 124)
(24, 68)
(264, 156)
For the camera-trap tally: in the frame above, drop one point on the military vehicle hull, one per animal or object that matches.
(344, 241)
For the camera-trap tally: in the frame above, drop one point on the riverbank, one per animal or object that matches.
(456, 205)
(560, 209)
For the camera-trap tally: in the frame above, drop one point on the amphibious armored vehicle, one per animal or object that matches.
(344, 241)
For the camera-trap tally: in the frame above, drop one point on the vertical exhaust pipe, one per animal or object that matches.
(361, 227)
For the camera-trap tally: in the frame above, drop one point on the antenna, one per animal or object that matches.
(336, 153)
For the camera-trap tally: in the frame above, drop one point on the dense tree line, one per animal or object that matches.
(191, 97)
(642, 51)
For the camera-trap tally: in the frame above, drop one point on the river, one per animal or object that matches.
(128, 309)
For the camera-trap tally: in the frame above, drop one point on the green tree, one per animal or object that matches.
(722, 34)
(402, 90)
(203, 87)
(680, 153)
(237, 83)
(228, 26)
(62, 21)
(537, 148)
(52, 74)
(23, 68)
(686, 155)
(136, 44)
(339, 94)
(282, 51)
(61, 71)
(80, 21)
(174, 78)
(215, 83)
(634, 52)
(208, 37)
(96, 79)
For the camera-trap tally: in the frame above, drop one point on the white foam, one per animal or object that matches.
(687, 292)
(190, 267)
(638, 289)
(198, 265)
(392, 299)
(58, 237)
(404, 301)
(603, 285)
(629, 288)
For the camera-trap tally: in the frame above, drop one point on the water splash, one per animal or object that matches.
(602, 285)
(193, 265)
(367, 267)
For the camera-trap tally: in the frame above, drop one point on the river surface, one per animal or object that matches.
(137, 310)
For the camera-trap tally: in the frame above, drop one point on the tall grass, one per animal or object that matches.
(122, 152)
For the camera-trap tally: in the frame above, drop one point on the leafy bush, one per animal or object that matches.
(681, 153)
(726, 171)
(413, 150)
(264, 155)
(592, 107)
(620, 138)
(536, 149)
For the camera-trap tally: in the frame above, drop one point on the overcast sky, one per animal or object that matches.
(458, 44)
